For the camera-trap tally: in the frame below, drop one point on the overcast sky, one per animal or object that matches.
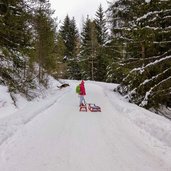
(78, 9)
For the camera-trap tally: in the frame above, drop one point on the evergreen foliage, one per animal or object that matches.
(14, 46)
(89, 49)
(69, 33)
(19, 39)
(93, 47)
(61, 65)
(145, 68)
(44, 41)
(102, 38)
(100, 21)
(136, 54)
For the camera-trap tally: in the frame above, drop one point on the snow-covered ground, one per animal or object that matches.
(50, 134)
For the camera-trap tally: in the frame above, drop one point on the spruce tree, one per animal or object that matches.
(146, 69)
(19, 32)
(61, 65)
(100, 21)
(102, 37)
(69, 33)
(15, 44)
(89, 50)
(44, 40)
(118, 17)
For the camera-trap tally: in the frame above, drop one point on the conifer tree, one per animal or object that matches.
(146, 69)
(154, 28)
(45, 41)
(102, 37)
(70, 36)
(119, 16)
(61, 70)
(24, 42)
(100, 22)
(89, 49)
(14, 44)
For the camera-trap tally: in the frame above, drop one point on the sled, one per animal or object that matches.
(94, 108)
(83, 108)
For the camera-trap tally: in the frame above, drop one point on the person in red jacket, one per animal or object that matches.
(82, 93)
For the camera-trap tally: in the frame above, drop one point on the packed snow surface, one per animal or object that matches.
(51, 134)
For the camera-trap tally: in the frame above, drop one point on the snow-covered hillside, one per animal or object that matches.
(50, 134)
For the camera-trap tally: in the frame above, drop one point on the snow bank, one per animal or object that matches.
(6, 104)
(12, 118)
(156, 125)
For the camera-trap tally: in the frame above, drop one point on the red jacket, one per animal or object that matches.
(82, 89)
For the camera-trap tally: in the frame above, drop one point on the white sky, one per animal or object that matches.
(78, 9)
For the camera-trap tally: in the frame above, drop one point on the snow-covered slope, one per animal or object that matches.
(51, 134)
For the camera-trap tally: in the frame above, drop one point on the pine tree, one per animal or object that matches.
(45, 41)
(70, 36)
(13, 29)
(100, 21)
(119, 16)
(61, 65)
(102, 37)
(89, 49)
(156, 60)
(146, 69)
(15, 45)
(18, 36)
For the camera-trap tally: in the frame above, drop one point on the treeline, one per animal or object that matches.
(129, 44)
(27, 44)
(141, 37)
(84, 53)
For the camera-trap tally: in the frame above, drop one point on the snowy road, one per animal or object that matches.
(63, 139)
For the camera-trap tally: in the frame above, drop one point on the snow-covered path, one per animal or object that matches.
(63, 139)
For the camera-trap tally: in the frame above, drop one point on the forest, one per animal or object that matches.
(128, 44)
